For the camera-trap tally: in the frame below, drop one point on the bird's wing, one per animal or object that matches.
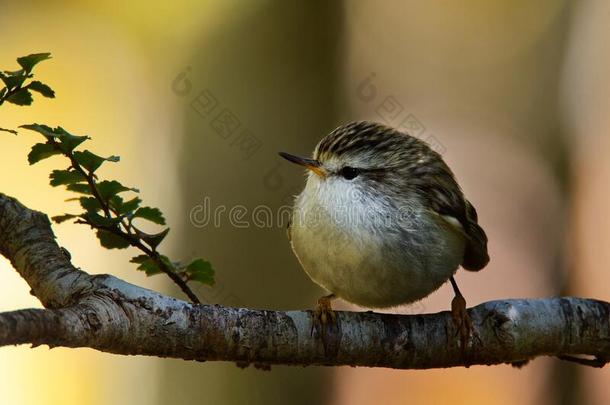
(475, 254)
(444, 196)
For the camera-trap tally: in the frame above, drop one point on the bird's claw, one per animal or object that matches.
(462, 320)
(323, 315)
(324, 310)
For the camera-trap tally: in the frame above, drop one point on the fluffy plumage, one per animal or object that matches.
(392, 228)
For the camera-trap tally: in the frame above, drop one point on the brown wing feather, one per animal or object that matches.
(444, 196)
(475, 254)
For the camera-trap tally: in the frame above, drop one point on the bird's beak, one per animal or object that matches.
(310, 164)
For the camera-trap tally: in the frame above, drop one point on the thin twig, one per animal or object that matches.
(133, 240)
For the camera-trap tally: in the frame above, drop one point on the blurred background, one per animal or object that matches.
(198, 96)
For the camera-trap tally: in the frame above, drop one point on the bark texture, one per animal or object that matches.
(111, 315)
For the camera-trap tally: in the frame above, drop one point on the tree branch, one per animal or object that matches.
(108, 314)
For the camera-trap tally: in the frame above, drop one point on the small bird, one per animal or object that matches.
(382, 221)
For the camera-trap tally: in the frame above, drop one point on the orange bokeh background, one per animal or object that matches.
(515, 93)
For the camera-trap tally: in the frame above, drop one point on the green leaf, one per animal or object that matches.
(28, 62)
(45, 130)
(129, 206)
(88, 160)
(12, 131)
(68, 142)
(59, 177)
(108, 189)
(152, 240)
(41, 151)
(100, 221)
(115, 202)
(21, 97)
(148, 265)
(63, 218)
(139, 259)
(150, 268)
(41, 88)
(13, 79)
(90, 204)
(121, 207)
(151, 214)
(200, 270)
(91, 161)
(110, 240)
(79, 188)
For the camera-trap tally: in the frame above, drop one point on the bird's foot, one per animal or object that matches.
(323, 315)
(461, 320)
(324, 309)
(460, 316)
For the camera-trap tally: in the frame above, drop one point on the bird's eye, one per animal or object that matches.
(349, 173)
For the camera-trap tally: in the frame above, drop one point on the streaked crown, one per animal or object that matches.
(373, 145)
